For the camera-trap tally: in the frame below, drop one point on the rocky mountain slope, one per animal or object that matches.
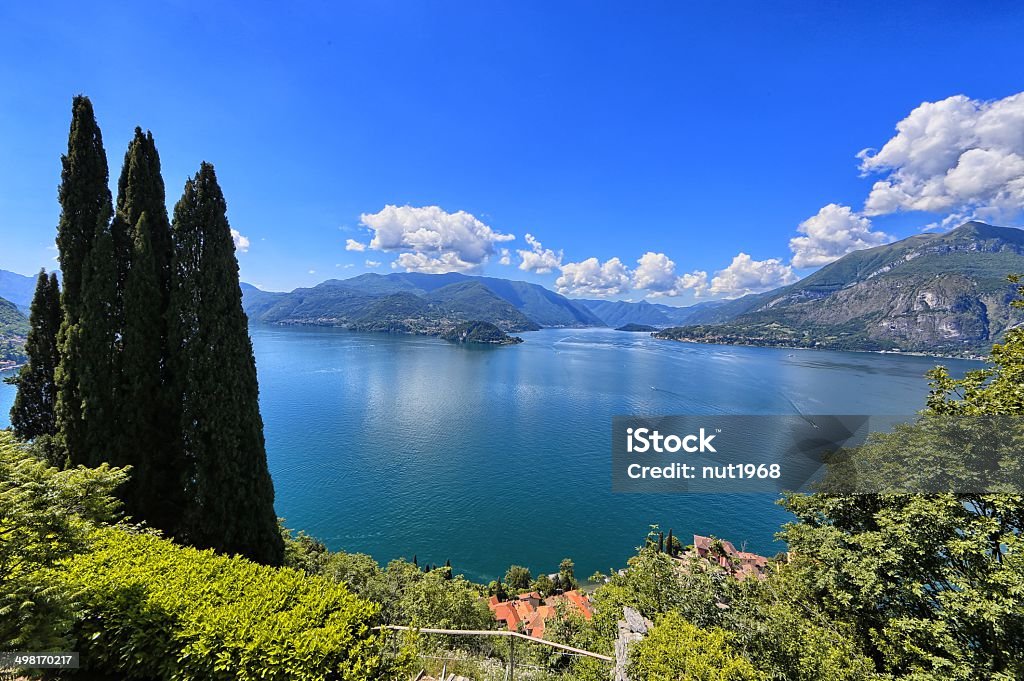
(940, 293)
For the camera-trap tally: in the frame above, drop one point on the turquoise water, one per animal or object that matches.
(395, 445)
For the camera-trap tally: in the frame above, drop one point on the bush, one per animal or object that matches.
(675, 650)
(152, 609)
(45, 515)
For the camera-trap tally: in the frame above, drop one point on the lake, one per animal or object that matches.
(402, 446)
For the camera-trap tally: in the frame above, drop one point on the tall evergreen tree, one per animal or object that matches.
(85, 212)
(84, 197)
(230, 493)
(148, 423)
(92, 348)
(140, 189)
(32, 415)
(155, 490)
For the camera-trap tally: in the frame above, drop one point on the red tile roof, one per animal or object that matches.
(521, 610)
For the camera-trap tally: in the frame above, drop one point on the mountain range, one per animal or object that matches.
(420, 303)
(17, 288)
(944, 293)
(939, 293)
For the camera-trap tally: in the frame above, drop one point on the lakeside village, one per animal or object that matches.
(528, 612)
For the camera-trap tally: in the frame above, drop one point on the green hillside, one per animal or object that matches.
(480, 332)
(13, 330)
(937, 293)
(376, 303)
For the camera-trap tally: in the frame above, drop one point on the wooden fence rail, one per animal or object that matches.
(498, 632)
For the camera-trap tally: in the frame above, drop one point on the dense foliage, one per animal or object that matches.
(32, 414)
(148, 403)
(479, 332)
(154, 610)
(13, 329)
(407, 594)
(151, 366)
(675, 649)
(84, 372)
(228, 487)
(932, 584)
(45, 516)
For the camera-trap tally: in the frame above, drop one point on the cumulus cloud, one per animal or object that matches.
(506, 257)
(745, 275)
(539, 259)
(958, 155)
(591, 277)
(431, 238)
(373, 263)
(353, 245)
(696, 280)
(656, 274)
(421, 262)
(241, 242)
(832, 233)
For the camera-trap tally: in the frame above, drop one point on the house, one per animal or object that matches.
(741, 564)
(529, 612)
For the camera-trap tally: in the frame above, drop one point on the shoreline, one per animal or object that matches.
(898, 353)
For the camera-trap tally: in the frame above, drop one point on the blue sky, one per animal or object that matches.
(682, 135)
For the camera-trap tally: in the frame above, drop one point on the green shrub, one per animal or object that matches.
(151, 609)
(675, 650)
(45, 516)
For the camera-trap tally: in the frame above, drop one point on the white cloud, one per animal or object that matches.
(956, 155)
(832, 233)
(312, 272)
(697, 281)
(353, 245)
(539, 259)
(656, 274)
(373, 263)
(745, 275)
(430, 238)
(506, 257)
(421, 262)
(591, 277)
(241, 242)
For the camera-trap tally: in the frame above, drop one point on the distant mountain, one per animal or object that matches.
(388, 303)
(13, 330)
(618, 313)
(939, 293)
(418, 303)
(17, 288)
(536, 302)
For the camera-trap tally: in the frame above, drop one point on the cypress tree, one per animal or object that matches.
(154, 493)
(32, 415)
(92, 349)
(140, 189)
(144, 249)
(229, 491)
(85, 212)
(84, 198)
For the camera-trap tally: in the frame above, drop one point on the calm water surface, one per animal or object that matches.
(396, 446)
